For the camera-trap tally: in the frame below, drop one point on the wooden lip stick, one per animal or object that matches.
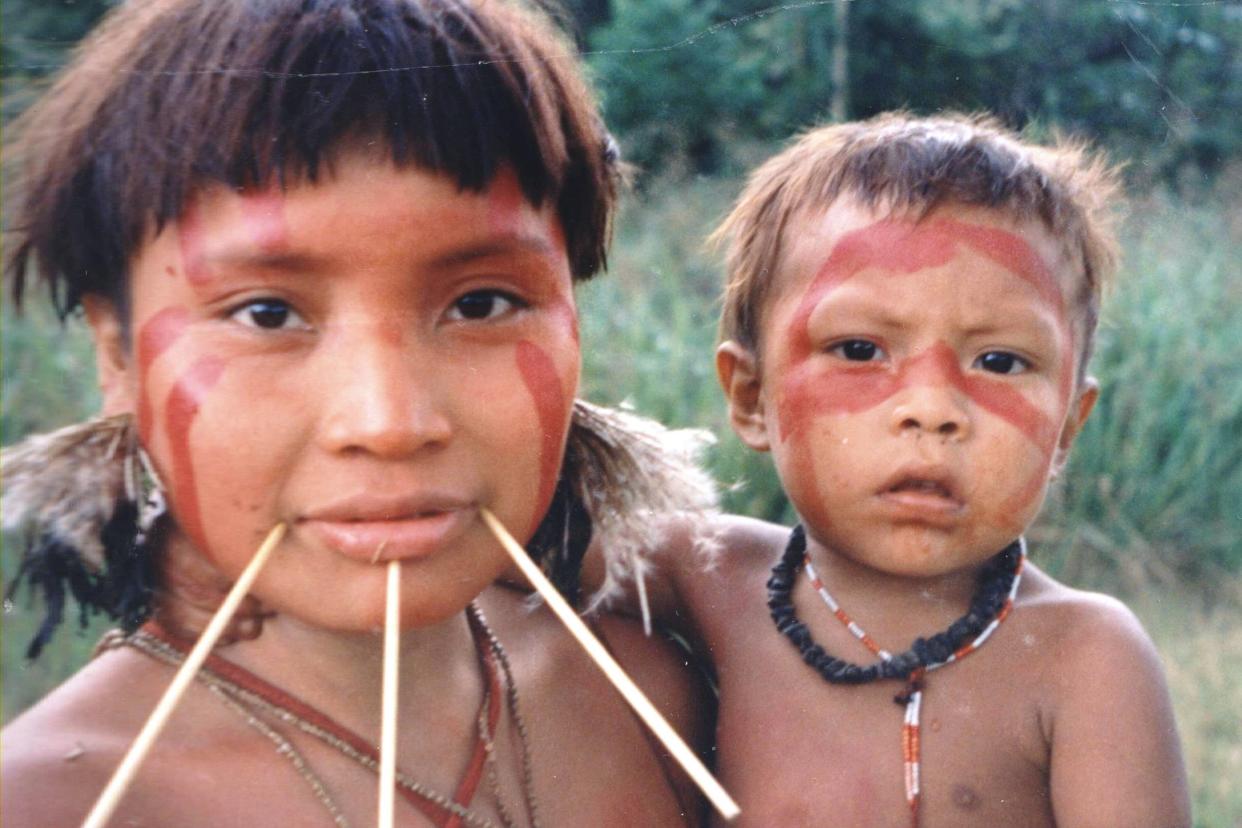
(388, 717)
(707, 783)
(124, 774)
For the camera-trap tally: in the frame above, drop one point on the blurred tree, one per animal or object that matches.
(34, 37)
(1160, 84)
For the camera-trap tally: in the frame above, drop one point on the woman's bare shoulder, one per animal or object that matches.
(60, 753)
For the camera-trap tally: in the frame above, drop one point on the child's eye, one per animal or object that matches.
(484, 304)
(1002, 362)
(269, 314)
(857, 350)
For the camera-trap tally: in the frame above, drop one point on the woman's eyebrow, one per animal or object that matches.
(245, 256)
(507, 244)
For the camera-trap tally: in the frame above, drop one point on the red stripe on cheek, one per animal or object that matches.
(180, 412)
(832, 389)
(538, 372)
(157, 335)
(264, 214)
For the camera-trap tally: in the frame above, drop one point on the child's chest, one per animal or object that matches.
(796, 750)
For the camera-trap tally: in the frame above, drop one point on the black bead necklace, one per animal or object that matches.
(989, 599)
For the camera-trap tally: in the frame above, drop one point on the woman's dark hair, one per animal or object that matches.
(168, 95)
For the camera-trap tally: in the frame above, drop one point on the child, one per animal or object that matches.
(326, 251)
(910, 309)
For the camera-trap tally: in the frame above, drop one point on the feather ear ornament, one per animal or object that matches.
(76, 495)
(91, 510)
(622, 474)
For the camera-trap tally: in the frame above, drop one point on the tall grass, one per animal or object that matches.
(1153, 484)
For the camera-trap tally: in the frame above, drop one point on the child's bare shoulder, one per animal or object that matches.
(1106, 713)
(1084, 632)
(722, 544)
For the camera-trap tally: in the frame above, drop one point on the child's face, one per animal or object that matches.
(369, 360)
(916, 382)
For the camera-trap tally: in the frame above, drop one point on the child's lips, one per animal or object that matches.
(926, 493)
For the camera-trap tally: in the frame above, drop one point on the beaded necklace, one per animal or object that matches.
(248, 696)
(989, 606)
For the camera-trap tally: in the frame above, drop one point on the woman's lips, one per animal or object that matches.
(414, 535)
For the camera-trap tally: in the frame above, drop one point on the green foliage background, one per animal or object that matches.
(698, 91)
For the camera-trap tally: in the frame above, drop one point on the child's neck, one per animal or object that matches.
(895, 609)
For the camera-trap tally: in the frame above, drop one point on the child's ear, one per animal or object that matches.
(112, 359)
(1080, 409)
(738, 370)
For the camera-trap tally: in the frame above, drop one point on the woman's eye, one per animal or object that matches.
(269, 314)
(1002, 362)
(484, 304)
(857, 350)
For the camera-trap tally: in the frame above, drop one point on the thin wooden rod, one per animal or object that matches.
(124, 774)
(707, 783)
(388, 720)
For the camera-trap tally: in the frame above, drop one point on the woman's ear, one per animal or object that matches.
(1080, 409)
(737, 367)
(112, 357)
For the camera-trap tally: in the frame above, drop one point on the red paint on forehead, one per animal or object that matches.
(504, 202)
(156, 336)
(180, 412)
(902, 247)
(190, 240)
(539, 374)
(264, 214)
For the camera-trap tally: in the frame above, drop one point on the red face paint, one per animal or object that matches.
(180, 412)
(264, 214)
(538, 372)
(504, 202)
(566, 317)
(190, 240)
(156, 336)
(902, 248)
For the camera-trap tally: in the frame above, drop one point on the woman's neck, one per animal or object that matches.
(341, 673)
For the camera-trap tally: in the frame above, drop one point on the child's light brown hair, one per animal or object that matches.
(897, 163)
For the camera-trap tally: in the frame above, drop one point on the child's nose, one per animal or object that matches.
(931, 400)
(383, 396)
(932, 410)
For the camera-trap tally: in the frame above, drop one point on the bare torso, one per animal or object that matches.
(591, 763)
(795, 750)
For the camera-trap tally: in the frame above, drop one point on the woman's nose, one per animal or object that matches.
(382, 395)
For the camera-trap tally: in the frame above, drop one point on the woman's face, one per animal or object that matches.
(369, 360)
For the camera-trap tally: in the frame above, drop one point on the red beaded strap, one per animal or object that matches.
(273, 695)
